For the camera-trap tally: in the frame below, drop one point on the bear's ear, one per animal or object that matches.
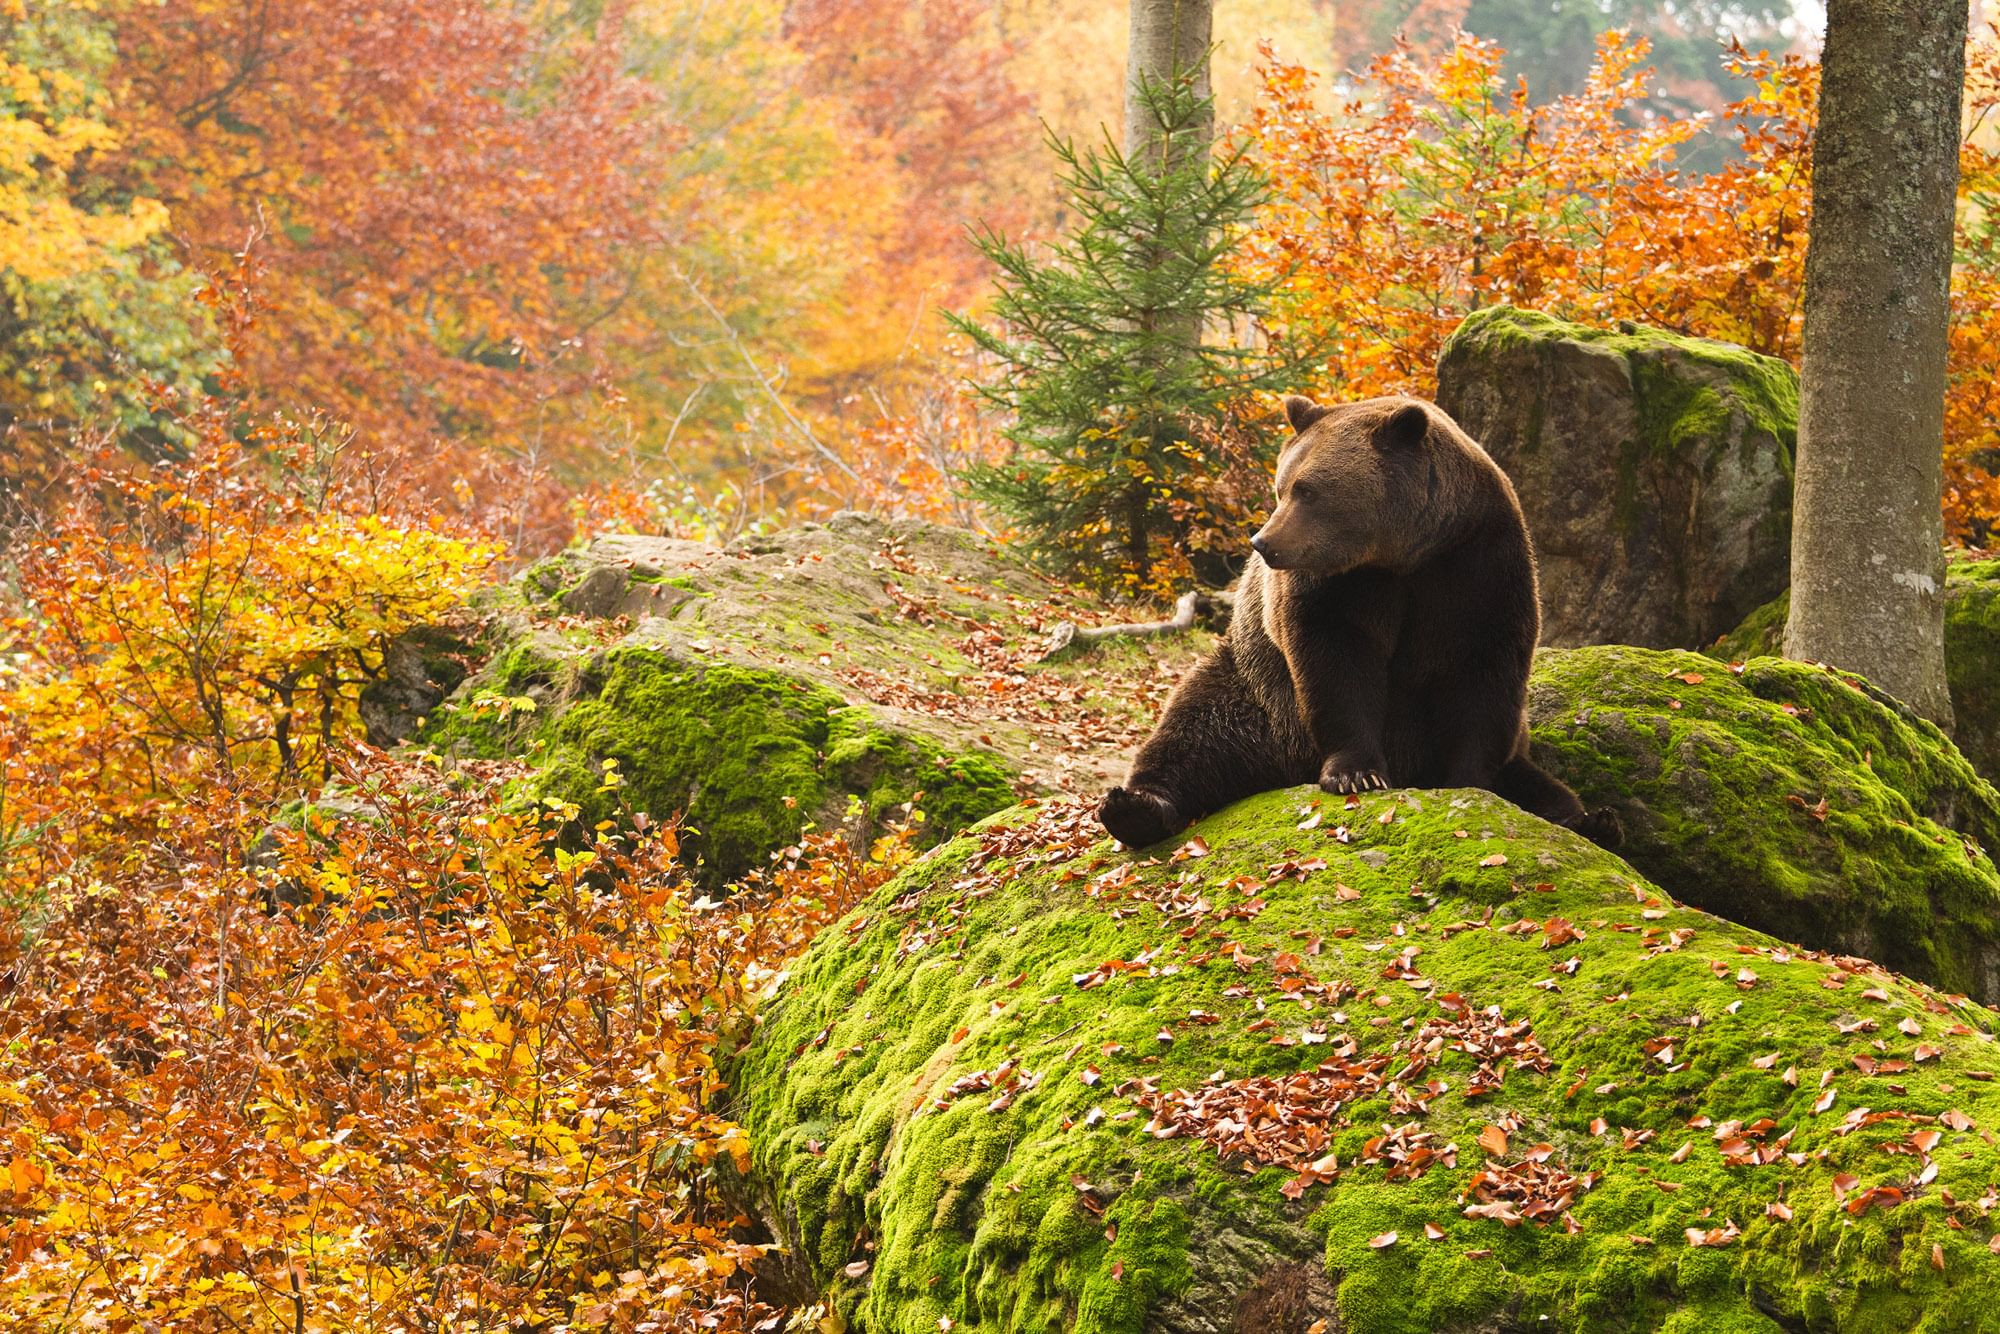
(1302, 412)
(1405, 428)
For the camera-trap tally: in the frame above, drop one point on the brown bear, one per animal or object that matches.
(1382, 636)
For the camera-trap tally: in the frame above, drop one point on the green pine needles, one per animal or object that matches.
(1129, 358)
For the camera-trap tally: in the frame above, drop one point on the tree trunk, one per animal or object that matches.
(1170, 39)
(1867, 532)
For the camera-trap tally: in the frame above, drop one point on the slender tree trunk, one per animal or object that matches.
(1867, 533)
(1170, 39)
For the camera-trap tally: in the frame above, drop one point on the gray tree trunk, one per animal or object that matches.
(1867, 533)
(1169, 38)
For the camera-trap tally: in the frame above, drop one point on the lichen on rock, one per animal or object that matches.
(1039, 1083)
(1655, 469)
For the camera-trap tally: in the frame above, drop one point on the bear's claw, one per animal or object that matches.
(1348, 782)
(1138, 819)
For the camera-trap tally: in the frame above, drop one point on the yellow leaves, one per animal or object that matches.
(46, 233)
(243, 645)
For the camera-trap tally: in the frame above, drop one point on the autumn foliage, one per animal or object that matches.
(422, 1064)
(316, 315)
(410, 1056)
(1442, 190)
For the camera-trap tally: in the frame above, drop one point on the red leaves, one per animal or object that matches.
(1288, 1120)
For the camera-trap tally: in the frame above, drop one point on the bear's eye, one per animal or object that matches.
(1302, 492)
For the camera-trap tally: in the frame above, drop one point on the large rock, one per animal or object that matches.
(1971, 653)
(823, 674)
(1788, 797)
(1655, 470)
(1415, 1063)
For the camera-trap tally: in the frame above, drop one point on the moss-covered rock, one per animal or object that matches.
(1971, 653)
(1655, 469)
(821, 674)
(1972, 659)
(1788, 797)
(1037, 1083)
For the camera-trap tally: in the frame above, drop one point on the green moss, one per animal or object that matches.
(1057, 1210)
(1761, 635)
(1971, 653)
(1789, 798)
(1675, 377)
(748, 756)
(1677, 381)
(1972, 658)
(498, 713)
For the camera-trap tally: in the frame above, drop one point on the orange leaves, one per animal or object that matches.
(433, 1055)
(1446, 191)
(1454, 192)
(197, 625)
(435, 195)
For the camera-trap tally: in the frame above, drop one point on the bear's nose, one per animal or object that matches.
(1257, 544)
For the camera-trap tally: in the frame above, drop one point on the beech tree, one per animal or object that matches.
(1867, 530)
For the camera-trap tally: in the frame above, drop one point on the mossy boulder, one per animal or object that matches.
(823, 675)
(1408, 1063)
(1971, 653)
(1655, 470)
(1786, 796)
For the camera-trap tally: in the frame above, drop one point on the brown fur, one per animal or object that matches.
(1382, 636)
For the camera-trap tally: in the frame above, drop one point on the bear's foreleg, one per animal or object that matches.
(1342, 687)
(1213, 745)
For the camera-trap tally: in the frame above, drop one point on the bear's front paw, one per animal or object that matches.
(1345, 777)
(1138, 819)
(1602, 827)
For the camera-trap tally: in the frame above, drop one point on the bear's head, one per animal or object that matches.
(1379, 483)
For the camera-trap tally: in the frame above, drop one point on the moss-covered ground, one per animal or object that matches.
(1787, 797)
(819, 675)
(957, 1098)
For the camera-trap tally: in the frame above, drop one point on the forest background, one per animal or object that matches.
(316, 315)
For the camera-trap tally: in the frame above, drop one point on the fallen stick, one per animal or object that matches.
(1187, 611)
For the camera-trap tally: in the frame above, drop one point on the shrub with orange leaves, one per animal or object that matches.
(415, 1057)
(1437, 190)
(432, 1063)
(201, 627)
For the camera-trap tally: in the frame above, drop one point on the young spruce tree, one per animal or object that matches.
(1128, 358)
